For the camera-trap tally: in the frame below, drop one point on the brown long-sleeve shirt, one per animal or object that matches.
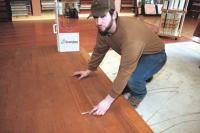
(131, 39)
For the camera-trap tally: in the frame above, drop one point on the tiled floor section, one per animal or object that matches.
(172, 104)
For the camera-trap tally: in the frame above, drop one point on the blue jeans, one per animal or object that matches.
(148, 65)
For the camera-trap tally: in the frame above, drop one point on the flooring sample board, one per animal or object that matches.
(39, 95)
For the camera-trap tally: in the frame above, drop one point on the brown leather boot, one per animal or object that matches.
(134, 101)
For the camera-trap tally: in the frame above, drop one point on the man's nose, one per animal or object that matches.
(99, 21)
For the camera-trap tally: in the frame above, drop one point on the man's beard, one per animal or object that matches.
(105, 32)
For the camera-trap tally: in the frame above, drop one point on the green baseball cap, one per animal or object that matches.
(101, 7)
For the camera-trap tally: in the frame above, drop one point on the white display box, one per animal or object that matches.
(66, 33)
(68, 42)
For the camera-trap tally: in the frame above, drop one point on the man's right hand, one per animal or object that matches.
(82, 74)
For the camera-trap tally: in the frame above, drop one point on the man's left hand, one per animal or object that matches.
(103, 106)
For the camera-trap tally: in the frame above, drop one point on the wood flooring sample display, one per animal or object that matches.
(39, 95)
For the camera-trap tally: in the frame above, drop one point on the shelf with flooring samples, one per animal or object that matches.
(196, 35)
(47, 5)
(194, 9)
(149, 7)
(85, 4)
(5, 11)
(172, 18)
(129, 5)
(20, 7)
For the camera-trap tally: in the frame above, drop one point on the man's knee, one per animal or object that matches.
(138, 87)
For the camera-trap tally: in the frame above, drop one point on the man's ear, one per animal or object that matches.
(114, 16)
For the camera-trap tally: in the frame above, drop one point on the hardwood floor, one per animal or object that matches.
(38, 93)
(31, 33)
(26, 33)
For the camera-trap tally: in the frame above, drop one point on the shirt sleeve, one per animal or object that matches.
(129, 58)
(98, 54)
